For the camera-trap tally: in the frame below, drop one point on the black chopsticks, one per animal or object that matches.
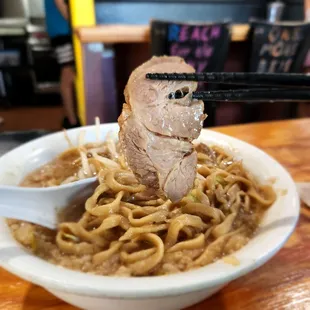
(259, 79)
(289, 87)
(259, 94)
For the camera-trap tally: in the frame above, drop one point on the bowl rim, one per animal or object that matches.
(17, 260)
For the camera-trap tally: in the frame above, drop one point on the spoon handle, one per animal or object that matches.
(31, 216)
(29, 205)
(42, 205)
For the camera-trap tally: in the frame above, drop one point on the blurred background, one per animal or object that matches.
(111, 38)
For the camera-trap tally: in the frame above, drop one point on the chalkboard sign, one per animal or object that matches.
(277, 48)
(204, 46)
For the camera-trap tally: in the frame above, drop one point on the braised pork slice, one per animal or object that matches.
(156, 132)
(150, 103)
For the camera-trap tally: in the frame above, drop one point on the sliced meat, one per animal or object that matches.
(181, 178)
(150, 103)
(156, 132)
(134, 141)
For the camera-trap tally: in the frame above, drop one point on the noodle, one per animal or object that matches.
(127, 230)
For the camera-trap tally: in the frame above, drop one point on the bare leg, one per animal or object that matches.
(66, 89)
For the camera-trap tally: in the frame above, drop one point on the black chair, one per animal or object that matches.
(202, 45)
(276, 48)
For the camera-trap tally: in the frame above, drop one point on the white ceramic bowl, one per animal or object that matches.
(153, 293)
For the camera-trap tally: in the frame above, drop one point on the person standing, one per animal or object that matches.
(58, 28)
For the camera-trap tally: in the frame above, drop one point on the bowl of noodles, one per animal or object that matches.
(128, 247)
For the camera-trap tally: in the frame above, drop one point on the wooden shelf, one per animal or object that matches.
(136, 33)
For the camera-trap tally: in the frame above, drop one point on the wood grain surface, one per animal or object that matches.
(282, 283)
(137, 33)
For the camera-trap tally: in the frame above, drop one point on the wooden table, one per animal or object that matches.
(138, 33)
(282, 283)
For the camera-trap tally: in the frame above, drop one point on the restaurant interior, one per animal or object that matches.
(111, 38)
(50, 83)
